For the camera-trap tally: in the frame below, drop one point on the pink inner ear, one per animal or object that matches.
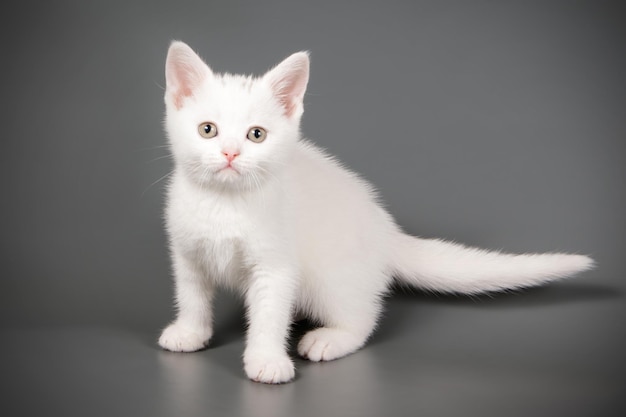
(182, 90)
(288, 81)
(184, 72)
(290, 94)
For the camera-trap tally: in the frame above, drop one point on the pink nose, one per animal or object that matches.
(230, 155)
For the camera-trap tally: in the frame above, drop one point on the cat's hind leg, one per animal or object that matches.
(328, 343)
(349, 316)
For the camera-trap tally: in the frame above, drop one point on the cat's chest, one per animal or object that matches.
(208, 225)
(217, 233)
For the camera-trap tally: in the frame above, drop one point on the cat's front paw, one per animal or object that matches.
(177, 338)
(268, 368)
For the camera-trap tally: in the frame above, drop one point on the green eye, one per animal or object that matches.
(257, 134)
(207, 130)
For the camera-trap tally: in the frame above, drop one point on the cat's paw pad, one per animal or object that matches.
(268, 368)
(177, 338)
(326, 344)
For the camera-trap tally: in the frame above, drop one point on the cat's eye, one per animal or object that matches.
(207, 130)
(257, 134)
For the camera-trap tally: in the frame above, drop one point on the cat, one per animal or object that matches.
(253, 206)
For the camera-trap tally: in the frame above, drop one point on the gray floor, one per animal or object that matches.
(540, 353)
(496, 124)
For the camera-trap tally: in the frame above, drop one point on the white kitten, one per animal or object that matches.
(253, 207)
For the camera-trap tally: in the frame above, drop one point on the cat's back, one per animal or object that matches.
(333, 204)
(321, 175)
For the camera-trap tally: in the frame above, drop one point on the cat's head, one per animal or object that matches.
(232, 131)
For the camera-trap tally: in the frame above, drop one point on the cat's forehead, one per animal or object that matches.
(235, 98)
(237, 81)
(236, 86)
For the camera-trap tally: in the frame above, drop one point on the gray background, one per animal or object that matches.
(497, 124)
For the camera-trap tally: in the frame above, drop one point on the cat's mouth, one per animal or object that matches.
(229, 169)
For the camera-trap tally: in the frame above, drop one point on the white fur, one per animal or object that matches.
(293, 230)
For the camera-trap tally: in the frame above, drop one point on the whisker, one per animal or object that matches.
(267, 172)
(249, 182)
(159, 85)
(151, 148)
(257, 180)
(258, 186)
(159, 158)
(157, 181)
(205, 173)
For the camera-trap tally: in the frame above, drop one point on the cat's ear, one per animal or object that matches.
(184, 72)
(288, 82)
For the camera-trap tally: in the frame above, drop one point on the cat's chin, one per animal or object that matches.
(229, 178)
(229, 172)
(228, 175)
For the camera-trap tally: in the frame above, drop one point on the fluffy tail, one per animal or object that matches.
(449, 267)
